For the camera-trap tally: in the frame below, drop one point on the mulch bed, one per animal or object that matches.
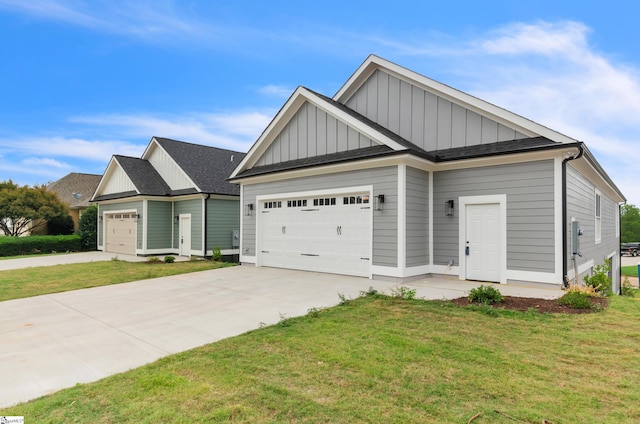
(540, 305)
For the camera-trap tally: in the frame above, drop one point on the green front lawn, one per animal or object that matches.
(630, 271)
(27, 282)
(383, 360)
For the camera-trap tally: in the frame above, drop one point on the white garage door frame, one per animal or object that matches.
(501, 201)
(308, 194)
(116, 212)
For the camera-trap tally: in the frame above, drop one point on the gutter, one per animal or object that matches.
(565, 281)
(205, 232)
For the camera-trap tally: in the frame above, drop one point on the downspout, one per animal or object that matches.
(565, 281)
(205, 232)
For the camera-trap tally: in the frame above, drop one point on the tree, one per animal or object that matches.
(23, 208)
(629, 223)
(88, 228)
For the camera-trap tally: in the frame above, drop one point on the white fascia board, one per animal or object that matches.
(158, 146)
(295, 102)
(584, 166)
(482, 107)
(111, 167)
(268, 135)
(350, 120)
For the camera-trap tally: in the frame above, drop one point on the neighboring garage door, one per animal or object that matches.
(120, 233)
(326, 234)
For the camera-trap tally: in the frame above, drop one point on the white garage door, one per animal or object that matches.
(325, 234)
(120, 233)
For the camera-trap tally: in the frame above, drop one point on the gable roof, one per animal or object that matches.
(482, 107)
(75, 189)
(208, 167)
(144, 176)
(205, 167)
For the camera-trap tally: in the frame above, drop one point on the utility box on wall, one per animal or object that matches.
(235, 239)
(576, 232)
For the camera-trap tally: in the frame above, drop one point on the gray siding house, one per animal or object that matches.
(398, 176)
(173, 200)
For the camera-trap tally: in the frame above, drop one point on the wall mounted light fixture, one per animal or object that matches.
(378, 202)
(448, 208)
(248, 209)
(176, 219)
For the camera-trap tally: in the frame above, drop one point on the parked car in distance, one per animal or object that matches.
(631, 249)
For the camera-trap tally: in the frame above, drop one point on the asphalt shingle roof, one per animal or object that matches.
(143, 176)
(75, 189)
(208, 167)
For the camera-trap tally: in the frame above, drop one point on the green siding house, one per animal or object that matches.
(175, 199)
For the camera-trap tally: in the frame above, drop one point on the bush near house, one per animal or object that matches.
(14, 246)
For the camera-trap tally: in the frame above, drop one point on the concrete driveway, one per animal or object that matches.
(55, 341)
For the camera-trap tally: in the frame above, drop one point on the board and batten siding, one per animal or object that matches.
(168, 169)
(193, 207)
(529, 188)
(425, 119)
(581, 206)
(385, 227)
(312, 132)
(159, 225)
(124, 206)
(417, 230)
(117, 182)
(223, 216)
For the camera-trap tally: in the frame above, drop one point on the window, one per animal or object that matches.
(598, 217)
(296, 203)
(327, 201)
(272, 205)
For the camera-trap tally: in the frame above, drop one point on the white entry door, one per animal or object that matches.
(184, 235)
(482, 239)
(330, 233)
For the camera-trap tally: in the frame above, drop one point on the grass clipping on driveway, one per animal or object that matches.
(384, 360)
(27, 282)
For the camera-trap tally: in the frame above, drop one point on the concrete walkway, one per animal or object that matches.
(55, 341)
(71, 258)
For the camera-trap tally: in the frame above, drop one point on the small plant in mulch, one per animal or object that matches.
(169, 259)
(575, 299)
(153, 260)
(485, 295)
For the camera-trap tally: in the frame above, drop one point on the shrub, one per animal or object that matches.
(576, 300)
(627, 289)
(14, 246)
(403, 293)
(485, 295)
(216, 254)
(586, 290)
(169, 259)
(153, 259)
(600, 280)
(88, 229)
(60, 225)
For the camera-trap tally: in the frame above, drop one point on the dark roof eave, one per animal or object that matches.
(433, 157)
(248, 173)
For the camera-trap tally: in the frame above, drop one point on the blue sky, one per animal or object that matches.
(83, 80)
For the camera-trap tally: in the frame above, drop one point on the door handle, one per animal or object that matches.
(284, 229)
(339, 230)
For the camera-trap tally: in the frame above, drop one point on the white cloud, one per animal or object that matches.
(231, 130)
(45, 162)
(276, 90)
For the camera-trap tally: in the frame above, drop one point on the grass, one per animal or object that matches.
(27, 282)
(383, 360)
(630, 271)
